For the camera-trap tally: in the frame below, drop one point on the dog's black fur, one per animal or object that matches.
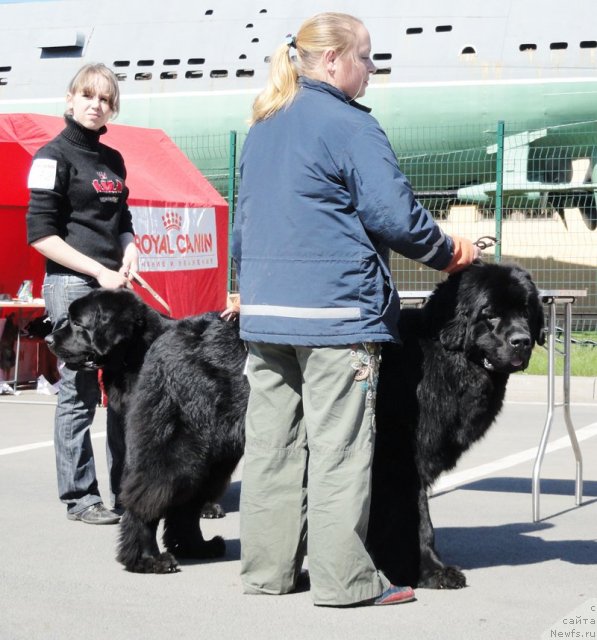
(181, 386)
(438, 393)
(186, 396)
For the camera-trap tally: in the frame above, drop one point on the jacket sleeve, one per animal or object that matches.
(385, 202)
(236, 240)
(236, 244)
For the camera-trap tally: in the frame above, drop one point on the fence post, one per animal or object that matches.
(231, 192)
(499, 189)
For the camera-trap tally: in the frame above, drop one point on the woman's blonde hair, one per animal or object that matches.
(87, 78)
(336, 31)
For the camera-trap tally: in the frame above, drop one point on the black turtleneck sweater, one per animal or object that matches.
(87, 204)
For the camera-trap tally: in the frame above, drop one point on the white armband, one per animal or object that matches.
(42, 174)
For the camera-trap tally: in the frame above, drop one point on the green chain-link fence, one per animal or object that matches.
(533, 190)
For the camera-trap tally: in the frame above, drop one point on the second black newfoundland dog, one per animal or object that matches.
(182, 388)
(182, 385)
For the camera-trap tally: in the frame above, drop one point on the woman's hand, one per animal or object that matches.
(464, 253)
(130, 258)
(113, 279)
(232, 307)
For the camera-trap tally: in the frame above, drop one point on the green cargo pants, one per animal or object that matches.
(310, 435)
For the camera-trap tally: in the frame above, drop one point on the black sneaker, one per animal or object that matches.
(95, 514)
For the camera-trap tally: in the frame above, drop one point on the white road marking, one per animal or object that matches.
(40, 445)
(449, 481)
(452, 480)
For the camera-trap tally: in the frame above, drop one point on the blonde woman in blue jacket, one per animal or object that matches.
(321, 203)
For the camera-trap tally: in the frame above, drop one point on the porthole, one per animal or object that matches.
(143, 76)
(245, 73)
(443, 28)
(122, 63)
(588, 44)
(414, 30)
(382, 56)
(145, 63)
(218, 73)
(193, 75)
(383, 71)
(242, 56)
(5, 69)
(209, 12)
(121, 77)
(558, 46)
(255, 40)
(168, 75)
(196, 61)
(171, 61)
(467, 51)
(528, 47)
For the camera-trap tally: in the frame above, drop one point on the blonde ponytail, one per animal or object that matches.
(281, 88)
(323, 31)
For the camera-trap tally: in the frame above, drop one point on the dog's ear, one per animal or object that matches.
(446, 314)
(537, 320)
(453, 334)
(139, 314)
(119, 320)
(535, 307)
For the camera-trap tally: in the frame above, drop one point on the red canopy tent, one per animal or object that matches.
(180, 220)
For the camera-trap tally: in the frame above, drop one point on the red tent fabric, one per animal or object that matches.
(180, 220)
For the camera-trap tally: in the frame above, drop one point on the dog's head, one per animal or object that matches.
(492, 312)
(99, 329)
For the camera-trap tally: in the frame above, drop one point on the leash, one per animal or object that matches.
(150, 290)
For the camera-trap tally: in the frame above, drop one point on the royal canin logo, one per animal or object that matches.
(172, 221)
(172, 242)
(103, 185)
(182, 243)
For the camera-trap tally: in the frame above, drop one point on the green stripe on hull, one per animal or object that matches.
(458, 108)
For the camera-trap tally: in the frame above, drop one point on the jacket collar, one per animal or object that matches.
(325, 87)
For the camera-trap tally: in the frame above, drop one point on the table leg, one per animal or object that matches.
(551, 404)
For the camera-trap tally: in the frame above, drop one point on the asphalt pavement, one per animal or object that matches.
(59, 579)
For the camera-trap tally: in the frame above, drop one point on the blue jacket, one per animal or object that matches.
(321, 201)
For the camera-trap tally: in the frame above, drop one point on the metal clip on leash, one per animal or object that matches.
(485, 242)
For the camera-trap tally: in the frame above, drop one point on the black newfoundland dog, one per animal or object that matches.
(182, 386)
(438, 393)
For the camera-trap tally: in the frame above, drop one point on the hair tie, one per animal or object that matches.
(290, 41)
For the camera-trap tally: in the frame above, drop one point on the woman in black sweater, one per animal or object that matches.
(78, 218)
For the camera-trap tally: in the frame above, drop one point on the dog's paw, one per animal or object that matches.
(212, 510)
(166, 563)
(445, 578)
(162, 563)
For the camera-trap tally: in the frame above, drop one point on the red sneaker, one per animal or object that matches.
(395, 595)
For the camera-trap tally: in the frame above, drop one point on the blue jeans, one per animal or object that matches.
(78, 397)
